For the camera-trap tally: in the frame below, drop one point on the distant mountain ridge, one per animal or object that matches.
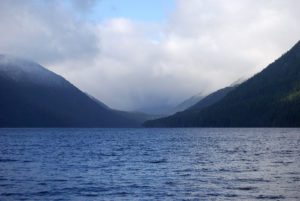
(204, 102)
(211, 98)
(166, 110)
(32, 96)
(186, 104)
(270, 98)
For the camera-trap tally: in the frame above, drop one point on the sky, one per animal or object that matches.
(141, 54)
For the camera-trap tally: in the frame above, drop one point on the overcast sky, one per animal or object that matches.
(134, 54)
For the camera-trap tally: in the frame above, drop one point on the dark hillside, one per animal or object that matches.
(271, 98)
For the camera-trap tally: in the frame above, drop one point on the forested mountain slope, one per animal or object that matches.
(270, 98)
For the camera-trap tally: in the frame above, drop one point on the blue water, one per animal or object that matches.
(150, 164)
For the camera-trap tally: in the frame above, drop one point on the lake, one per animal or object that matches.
(150, 164)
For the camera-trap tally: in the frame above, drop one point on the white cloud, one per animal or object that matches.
(204, 45)
(45, 31)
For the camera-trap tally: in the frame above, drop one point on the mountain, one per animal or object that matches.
(32, 96)
(270, 98)
(138, 117)
(204, 102)
(186, 104)
(156, 110)
(98, 101)
(166, 110)
(211, 98)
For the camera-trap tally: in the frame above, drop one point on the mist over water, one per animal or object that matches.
(150, 164)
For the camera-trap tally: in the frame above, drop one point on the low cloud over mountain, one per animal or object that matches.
(199, 47)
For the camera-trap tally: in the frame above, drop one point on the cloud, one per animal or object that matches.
(84, 5)
(204, 45)
(234, 38)
(45, 31)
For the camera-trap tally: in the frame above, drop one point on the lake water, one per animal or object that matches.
(150, 164)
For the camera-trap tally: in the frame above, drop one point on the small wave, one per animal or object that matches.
(170, 183)
(108, 154)
(213, 194)
(222, 195)
(230, 195)
(270, 197)
(7, 160)
(251, 180)
(90, 190)
(185, 175)
(89, 194)
(244, 188)
(229, 170)
(247, 188)
(5, 185)
(158, 161)
(284, 152)
(56, 180)
(11, 194)
(138, 186)
(296, 179)
(42, 193)
(122, 194)
(185, 170)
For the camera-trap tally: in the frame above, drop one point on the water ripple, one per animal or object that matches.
(150, 164)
